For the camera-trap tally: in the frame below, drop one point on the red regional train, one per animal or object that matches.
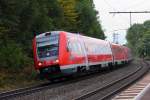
(60, 53)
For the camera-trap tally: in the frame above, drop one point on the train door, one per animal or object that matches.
(83, 47)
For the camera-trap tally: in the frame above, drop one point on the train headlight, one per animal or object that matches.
(40, 64)
(57, 61)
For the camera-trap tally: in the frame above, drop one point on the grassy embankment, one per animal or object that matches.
(10, 80)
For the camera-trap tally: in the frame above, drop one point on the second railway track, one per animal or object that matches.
(112, 88)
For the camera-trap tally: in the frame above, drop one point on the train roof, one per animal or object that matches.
(73, 34)
(50, 32)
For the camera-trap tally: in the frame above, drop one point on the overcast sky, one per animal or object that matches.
(120, 22)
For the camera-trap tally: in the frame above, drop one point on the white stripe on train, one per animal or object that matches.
(103, 64)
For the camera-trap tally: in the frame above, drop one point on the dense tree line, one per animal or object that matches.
(138, 36)
(21, 19)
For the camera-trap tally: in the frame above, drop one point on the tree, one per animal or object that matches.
(88, 20)
(12, 56)
(138, 37)
(55, 12)
(134, 36)
(147, 24)
(69, 21)
(144, 45)
(21, 19)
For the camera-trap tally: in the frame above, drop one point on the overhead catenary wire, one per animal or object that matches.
(128, 12)
(114, 9)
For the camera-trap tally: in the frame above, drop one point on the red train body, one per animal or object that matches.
(60, 53)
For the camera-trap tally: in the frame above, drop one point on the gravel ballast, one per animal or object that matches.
(70, 91)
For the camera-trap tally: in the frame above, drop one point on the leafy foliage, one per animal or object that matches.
(88, 20)
(12, 56)
(144, 45)
(69, 17)
(138, 37)
(20, 19)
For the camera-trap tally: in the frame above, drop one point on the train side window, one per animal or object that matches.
(94, 49)
(97, 49)
(68, 46)
(79, 48)
(73, 47)
(86, 48)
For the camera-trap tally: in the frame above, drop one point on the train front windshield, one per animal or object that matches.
(47, 47)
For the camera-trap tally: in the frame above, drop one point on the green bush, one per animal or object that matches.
(12, 56)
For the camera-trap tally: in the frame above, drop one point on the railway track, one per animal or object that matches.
(22, 91)
(43, 86)
(48, 86)
(115, 86)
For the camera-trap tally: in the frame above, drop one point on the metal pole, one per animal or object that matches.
(130, 20)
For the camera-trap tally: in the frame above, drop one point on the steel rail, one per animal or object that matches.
(94, 92)
(141, 73)
(19, 91)
(43, 86)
